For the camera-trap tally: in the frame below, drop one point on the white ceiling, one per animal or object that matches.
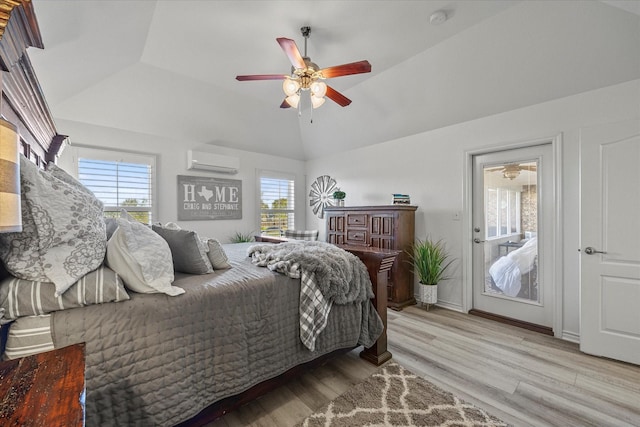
(168, 68)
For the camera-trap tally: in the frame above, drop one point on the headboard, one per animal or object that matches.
(23, 102)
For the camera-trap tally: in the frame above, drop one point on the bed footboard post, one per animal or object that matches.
(378, 263)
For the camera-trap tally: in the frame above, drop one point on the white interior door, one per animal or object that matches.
(513, 234)
(610, 240)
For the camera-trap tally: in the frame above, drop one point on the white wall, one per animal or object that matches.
(172, 161)
(429, 167)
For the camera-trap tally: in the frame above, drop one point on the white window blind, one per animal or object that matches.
(119, 180)
(502, 214)
(277, 203)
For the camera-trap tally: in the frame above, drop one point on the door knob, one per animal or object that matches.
(590, 251)
(476, 240)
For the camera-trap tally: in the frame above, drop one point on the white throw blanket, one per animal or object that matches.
(508, 270)
(328, 275)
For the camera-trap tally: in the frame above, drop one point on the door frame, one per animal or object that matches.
(557, 262)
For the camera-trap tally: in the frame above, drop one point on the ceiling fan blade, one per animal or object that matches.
(261, 77)
(285, 104)
(346, 69)
(337, 97)
(291, 49)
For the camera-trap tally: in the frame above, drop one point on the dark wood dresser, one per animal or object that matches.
(386, 227)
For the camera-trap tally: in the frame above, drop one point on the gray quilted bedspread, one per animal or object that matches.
(157, 360)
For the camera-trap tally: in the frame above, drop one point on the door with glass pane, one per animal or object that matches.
(513, 234)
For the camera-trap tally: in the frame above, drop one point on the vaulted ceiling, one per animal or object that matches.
(168, 68)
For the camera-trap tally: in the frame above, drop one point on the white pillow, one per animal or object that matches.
(142, 258)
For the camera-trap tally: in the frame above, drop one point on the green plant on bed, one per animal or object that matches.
(240, 237)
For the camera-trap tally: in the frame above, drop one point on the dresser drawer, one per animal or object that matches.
(357, 237)
(357, 220)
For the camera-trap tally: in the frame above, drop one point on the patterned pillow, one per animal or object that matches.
(217, 255)
(142, 258)
(20, 297)
(187, 250)
(62, 175)
(29, 335)
(63, 235)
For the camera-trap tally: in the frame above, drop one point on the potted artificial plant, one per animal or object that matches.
(430, 262)
(339, 196)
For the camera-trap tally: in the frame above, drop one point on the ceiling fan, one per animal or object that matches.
(511, 171)
(307, 76)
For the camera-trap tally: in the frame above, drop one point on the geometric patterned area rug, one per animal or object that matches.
(395, 397)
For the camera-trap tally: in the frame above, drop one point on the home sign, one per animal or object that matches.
(205, 198)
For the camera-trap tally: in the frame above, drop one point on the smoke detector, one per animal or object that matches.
(438, 17)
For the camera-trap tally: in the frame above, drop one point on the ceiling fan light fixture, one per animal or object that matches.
(318, 89)
(511, 174)
(290, 86)
(305, 75)
(316, 101)
(293, 100)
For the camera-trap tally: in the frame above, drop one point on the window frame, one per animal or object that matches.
(124, 156)
(503, 193)
(275, 175)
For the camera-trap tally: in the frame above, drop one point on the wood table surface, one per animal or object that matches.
(45, 389)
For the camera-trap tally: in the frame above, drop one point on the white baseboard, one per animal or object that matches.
(571, 337)
(444, 304)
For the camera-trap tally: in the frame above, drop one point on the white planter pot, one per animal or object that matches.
(429, 294)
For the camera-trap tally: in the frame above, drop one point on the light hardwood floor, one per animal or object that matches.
(522, 377)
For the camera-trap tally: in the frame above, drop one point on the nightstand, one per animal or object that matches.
(45, 389)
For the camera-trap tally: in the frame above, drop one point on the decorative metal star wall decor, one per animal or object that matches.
(321, 194)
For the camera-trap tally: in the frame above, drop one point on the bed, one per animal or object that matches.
(159, 360)
(155, 358)
(519, 267)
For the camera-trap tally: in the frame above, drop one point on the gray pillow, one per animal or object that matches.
(29, 335)
(217, 255)
(63, 235)
(187, 250)
(20, 297)
(111, 224)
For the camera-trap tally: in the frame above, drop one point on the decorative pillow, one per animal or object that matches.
(187, 250)
(62, 175)
(111, 224)
(142, 258)
(63, 235)
(217, 255)
(20, 297)
(29, 335)
(126, 215)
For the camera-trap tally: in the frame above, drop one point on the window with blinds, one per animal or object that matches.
(502, 213)
(120, 181)
(277, 203)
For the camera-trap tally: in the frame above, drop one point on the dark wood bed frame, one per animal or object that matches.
(23, 104)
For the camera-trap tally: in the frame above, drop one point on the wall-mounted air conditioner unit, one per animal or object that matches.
(202, 160)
